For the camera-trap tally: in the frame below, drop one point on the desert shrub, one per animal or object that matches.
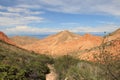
(62, 65)
(45, 59)
(110, 60)
(85, 71)
(18, 64)
(11, 73)
(70, 68)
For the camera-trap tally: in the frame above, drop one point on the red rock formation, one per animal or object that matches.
(114, 35)
(64, 43)
(4, 38)
(111, 47)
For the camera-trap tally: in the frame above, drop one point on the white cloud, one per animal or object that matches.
(1, 7)
(8, 14)
(83, 6)
(103, 28)
(16, 16)
(16, 21)
(110, 7)
(22, 14)
(23, 9)
(34, 30)
(28, 30)
(28, 6)
(10, 9)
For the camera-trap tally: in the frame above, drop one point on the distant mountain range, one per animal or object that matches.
(64, 43)
(44, 35)
(21, 56)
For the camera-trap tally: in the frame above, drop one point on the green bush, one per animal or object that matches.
(70, 68)
(63, 64)
(19, 64)
(85, 71)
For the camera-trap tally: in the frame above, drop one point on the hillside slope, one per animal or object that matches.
(20, 64)
(63, 43)
(110, 46)
(4, 37)
(114, 35)
(23, 40)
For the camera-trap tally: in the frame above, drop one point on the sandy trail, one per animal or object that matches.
(52, 75)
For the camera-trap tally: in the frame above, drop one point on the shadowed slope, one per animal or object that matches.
(20, 64)
(23, 40)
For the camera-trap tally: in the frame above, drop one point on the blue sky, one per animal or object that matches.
(43, 16)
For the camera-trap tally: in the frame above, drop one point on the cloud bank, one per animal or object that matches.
(110, 7)
(16, 15)
(36, 31)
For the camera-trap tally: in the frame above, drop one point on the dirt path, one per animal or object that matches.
(52, 75)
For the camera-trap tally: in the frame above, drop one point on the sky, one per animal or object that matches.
(44, 16)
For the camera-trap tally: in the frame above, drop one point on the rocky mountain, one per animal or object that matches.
(114, 35)
(23, 40)
(4, 37)
(110, 47)
(63, 43)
